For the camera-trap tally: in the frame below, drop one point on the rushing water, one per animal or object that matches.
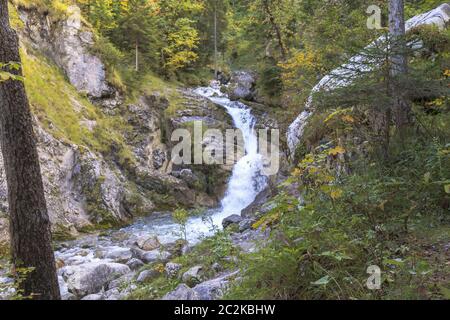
(246, 182)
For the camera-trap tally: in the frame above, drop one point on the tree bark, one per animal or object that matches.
(137, 55)
(29, 222)
(215, 41)
(399, 63)
(276, 28)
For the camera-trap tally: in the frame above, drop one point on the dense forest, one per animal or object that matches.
(92, 91)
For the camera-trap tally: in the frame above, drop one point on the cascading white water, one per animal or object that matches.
(247, 180)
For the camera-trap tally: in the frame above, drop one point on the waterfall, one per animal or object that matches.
(247, 179)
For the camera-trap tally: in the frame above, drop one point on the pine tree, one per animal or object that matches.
(399, 63)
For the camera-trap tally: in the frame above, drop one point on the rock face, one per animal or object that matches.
(242, 86)
(209, 182)
(81, 187)
(67, 42)
(84, 188)
(439, 17)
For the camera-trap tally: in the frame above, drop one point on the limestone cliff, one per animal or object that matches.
(91, 179)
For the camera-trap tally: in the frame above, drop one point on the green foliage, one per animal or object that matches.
(181, 217)
(161, 36)
(366, 219)
(349, 215)
(8, 71)
(19, 274)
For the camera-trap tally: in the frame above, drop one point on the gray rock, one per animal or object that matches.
(64, 290)
(245, 225)
(123, 281)
(135, 264)
(217, 267)
(93, 297)
(90, 278)
(186, 249)
(176, 248)
(189, 177)
(215, 288)
(242, 86)
(181, 293)
(234, 219)
(250, 240)
(172, 269)
(149, 244)
(261, 204)
(113, 294)
(147, 275)
(193, 276)
(120, 255)
(156, 256)
(159, 158)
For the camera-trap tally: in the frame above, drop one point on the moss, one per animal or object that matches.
(100, 215)
(62, 233)
(4, 250)
(56, 103)
(57, 8)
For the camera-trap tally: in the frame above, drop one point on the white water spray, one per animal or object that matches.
(247, 180)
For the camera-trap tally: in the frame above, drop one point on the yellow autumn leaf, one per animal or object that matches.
(382, 205)
(447, 188)
(348, 118)
(447, 73)
(313, 170)
(336, 194)
(336, 151)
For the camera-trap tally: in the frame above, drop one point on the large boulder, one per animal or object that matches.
(231, 220)
(121, 255)
(151, 256)
(123, 281)
(182, 292)
(242, 86)
(148, 244)
(135, 264)
(214, 289)
(147, 275)
(92, 277)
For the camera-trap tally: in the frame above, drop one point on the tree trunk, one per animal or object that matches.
(29, 222)
(215, 41)
(137, 55)
(399, 63)
(276, 29)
